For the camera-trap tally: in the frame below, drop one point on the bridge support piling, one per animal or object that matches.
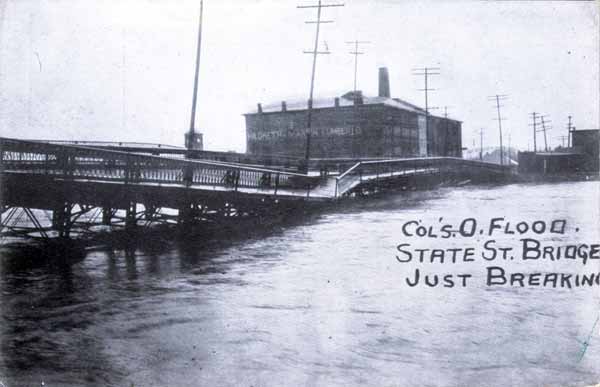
(186, 214)
(131, 215)
(61, 219)
(149, 212)
(106, 215)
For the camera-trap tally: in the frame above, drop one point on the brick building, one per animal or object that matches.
(352, 125)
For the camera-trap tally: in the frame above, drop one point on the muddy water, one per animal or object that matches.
(322, 302)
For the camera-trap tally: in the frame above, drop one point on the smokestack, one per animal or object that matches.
(384, 82)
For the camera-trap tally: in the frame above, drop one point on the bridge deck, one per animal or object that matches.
(53, 176)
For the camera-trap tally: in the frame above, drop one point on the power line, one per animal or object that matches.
(498, 98)
(314, 52)
(426, 72)
(356, 53)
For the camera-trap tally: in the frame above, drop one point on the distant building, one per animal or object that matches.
(581, 158)
(352, 125)
(587, 142)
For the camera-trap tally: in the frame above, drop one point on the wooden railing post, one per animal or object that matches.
(276, 183)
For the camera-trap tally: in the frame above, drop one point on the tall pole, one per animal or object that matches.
(500, 129)
(481, 144)
(195, 95)
(314, 53)
(569, 133)
(497, 98)
(426, 72)
(544, 130)
(534, 116)
(446, 133)
(508, 157)
(356, 53)
(562, 139)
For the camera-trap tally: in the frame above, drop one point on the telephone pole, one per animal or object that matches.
(544, 130)
(508, 159)
(446, 132)
(426, 72)
(319, 6)
(356, 53)
(498, 98)
(534, 116)
(563, 138)
(569, 133)
(481, 144)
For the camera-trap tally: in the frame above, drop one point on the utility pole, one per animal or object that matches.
(426, 72)
(481, 144)
(544, 130)
(508, 157)
(446, 133)
(191, 137)
(569, 133)
(498, 98)
(534, 116)
(356, 53)
(319, 6)
(563, 138)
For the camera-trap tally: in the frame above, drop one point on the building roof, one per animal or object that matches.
(345, 100)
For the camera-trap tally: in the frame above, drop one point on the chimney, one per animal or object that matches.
(384, 82)
(336, 102)
(283, 106)
(259, 106)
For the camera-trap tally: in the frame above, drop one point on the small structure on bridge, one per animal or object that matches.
(352, 126)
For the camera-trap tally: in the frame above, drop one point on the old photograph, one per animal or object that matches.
(300, 193)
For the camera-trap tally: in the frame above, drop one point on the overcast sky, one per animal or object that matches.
(123, 69)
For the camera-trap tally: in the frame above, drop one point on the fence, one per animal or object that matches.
(87, 163)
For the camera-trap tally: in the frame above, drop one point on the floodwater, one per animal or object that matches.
(320, 302)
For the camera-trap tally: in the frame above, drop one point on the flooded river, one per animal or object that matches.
(320, 302)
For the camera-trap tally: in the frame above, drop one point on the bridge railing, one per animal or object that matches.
(379, 169)
(77, 162)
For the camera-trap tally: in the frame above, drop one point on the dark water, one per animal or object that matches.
(319, 303)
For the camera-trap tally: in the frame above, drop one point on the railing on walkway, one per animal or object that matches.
(281, 161)
(379, 169)
(88, 163)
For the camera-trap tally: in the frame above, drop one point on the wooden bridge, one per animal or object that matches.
(57, 189)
